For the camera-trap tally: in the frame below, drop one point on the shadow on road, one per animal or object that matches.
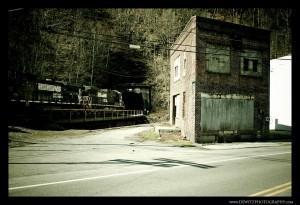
(273, 159)
(161, 162)
(99, 144)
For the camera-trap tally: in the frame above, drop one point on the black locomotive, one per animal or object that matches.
(26, 88)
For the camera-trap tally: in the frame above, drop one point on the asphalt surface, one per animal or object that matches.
(108, 163)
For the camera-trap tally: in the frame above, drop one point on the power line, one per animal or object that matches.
(107, 71)
(160, 41)
(15, 9)
(114, 42)
(77, 36)
(92, 33)
(159, 47)
(142, 46)
(122, 75)
(146, 40)
(215, 37)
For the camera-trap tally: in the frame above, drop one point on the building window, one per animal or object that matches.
(184, 62)
(177, 69)
(251, 63)
(217, 58)
(254, 65)
(246, 64)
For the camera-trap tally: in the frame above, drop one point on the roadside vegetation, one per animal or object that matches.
(166, 137)
(21, 136)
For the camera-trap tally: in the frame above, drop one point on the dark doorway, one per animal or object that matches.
(174, 110)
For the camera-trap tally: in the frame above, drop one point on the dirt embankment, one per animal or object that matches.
(20, 136)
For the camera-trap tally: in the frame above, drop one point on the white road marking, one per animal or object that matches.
(142, 171)
(225, 160)
(76, 180)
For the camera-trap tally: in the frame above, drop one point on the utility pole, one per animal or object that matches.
(93, 57)
(154, 57)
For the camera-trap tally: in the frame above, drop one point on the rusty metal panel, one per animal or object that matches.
(226, 114)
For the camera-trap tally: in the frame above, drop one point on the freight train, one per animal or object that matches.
(26, 88)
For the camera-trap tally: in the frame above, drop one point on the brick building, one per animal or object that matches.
(219, 83)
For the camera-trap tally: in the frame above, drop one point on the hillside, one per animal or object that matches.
(92, 46)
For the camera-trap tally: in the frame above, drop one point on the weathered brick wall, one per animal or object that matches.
(186, 120)
(233, 82)
(198, 33)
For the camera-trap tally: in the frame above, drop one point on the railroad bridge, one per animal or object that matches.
(105, 117)
(82, 118)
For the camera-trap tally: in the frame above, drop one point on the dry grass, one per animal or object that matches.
(166, 137)
(20, 136)
(161, 117)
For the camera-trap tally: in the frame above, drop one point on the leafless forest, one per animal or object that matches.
(91, 46)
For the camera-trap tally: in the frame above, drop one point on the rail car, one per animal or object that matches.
(27, 88)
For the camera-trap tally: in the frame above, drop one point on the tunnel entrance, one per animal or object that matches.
(133, 101)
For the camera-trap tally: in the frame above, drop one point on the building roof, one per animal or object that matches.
(224, 27)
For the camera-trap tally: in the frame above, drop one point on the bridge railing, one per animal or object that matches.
(89, 115)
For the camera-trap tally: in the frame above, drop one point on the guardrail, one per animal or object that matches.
(90, 115)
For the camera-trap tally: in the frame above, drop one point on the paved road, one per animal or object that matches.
(108, 163)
